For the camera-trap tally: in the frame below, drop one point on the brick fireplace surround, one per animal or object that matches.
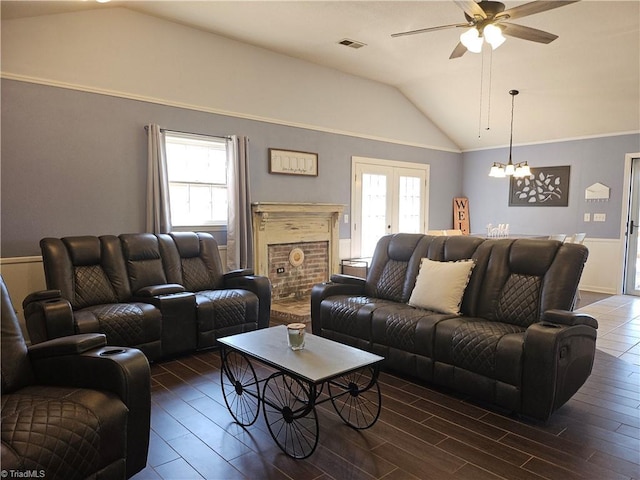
(296, 246)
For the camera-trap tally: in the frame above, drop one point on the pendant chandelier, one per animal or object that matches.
(518, 170)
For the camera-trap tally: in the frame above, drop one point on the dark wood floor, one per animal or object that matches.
(423, 432)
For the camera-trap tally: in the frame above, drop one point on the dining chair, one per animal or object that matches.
(559, 237)
(576, 238)
(579, 238)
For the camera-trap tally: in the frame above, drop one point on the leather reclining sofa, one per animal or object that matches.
(164, 294)
(515, 342)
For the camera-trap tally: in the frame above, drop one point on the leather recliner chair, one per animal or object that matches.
(71, 407)
(226, 303)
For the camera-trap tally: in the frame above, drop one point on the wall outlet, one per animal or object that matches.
(599, 217)
(280, 270)
(587, 217)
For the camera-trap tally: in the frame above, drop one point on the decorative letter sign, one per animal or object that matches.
(461, 214)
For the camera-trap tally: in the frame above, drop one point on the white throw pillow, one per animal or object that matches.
(440, 285)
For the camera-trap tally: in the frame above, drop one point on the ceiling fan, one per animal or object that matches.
(487, 20)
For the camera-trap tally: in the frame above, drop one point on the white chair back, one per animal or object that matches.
(561, 237)
(576, 238)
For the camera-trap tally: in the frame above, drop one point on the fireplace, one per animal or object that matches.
(296, 246)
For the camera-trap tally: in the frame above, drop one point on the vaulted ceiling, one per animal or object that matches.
(585, 83)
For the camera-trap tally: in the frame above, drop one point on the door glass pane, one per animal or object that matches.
(632, 286)
(374, 208)
(409, 205)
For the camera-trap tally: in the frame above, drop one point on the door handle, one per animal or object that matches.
(631, 225)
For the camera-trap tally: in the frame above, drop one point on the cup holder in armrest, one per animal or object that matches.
(113, 351)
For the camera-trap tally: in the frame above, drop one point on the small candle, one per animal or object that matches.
(295, 335)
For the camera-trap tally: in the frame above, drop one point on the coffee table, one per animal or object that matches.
(290, 395)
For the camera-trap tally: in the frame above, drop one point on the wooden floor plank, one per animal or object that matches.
(423, 432)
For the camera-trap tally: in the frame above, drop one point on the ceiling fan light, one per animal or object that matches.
(493, 36)
(497, 171)
(472, 40)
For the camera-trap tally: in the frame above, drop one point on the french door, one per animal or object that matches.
(632, 270)
(387, 197)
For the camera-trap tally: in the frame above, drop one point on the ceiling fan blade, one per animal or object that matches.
(471, 8)
(458, 51)
(527, 33)
(532, 8)
(429, 29)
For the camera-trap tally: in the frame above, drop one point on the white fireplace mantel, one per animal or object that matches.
(277, 223)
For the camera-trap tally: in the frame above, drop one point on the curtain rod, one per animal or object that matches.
(163, 130)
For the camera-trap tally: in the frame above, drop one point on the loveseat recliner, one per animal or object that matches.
(71, 407)
(514, 341)
(165, 294)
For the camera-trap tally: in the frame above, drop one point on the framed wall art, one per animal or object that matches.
(290, 162)
(546, 187)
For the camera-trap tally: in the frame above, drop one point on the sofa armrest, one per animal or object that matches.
(347, 279)
(122, 371)
(260, 286)
(71, 345)
(320, 291)
(565, 317)
(41, 296)
(48, 315)
(157, 290)
(241, 272)
(558, 360)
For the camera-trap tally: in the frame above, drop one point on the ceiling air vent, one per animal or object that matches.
(351, 43)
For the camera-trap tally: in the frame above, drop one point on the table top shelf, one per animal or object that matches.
(320, 360)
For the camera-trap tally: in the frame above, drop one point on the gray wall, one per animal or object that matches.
(74, 163)
(591, 160)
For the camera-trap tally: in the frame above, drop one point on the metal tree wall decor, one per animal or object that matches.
(545, 187)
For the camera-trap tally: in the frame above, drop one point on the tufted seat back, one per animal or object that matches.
(395, 265)
(87, 270)
(199, 260)
(396, 261)
(520, 279)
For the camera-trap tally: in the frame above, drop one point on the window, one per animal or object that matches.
(197, 171)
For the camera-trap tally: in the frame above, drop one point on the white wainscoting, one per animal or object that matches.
(604, 269)
(23, 275)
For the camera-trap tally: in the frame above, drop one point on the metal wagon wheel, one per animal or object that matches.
(356, 397)
(290, 414)
(240, 388)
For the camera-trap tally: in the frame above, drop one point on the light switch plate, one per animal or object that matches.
(599, 217)
(587, 217)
